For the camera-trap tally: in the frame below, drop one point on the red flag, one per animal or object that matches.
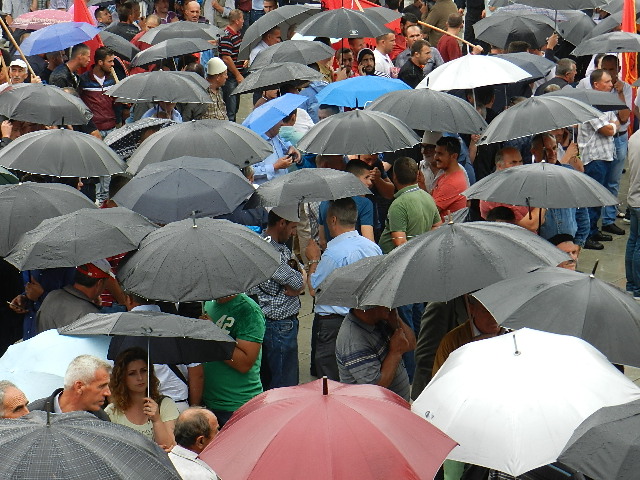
(629, 59)
(81, 13)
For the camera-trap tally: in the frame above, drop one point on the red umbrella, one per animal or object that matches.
(327, 430)
(41, 18)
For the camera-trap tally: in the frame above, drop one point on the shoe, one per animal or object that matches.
(601, 237)
(613, 228)
(620, 214)
(626, 221)
(592, 244)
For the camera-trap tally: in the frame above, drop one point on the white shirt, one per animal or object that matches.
(189, 466)
(256, 50)
(383, 62)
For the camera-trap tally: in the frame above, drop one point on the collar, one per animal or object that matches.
(184, 452)
(56, 403)
(405, 190)
(343, 236)
(146, 308)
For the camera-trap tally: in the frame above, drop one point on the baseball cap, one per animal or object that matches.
(98, 269)
(216, 66)
(431, 138)
(18, 63)
(288, 212)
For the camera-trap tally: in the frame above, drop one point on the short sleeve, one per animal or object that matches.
(253, 326)
(365, 211)
(397, 217)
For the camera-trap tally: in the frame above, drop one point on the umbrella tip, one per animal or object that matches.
(193, 218)
(325, 386)
(595, 267)
(515, 344)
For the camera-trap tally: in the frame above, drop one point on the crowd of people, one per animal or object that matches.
(411, 192)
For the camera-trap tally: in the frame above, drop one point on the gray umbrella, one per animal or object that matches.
(198, 259)
(126, 139)
(452, 260)
(606, 25)
(558, 300)
(25, 205)
(119, 45)
(576, 29)
(24, 102)
(616, 6)
(80, 237)
(359, 132)
(564, 4)
(61, 153)
(427, 109)
(297, 51)
(202, 138)
(340, 286)
(541, 185)
(606, 444)
(170, 48)
(172, 190)
(535, 65)
(276, 74)
(284, 17)
(614, 42)
(603, 101)
(76, 446)
(309, 185)
(382, 14)
(537, 115)
(180, 30)
(343, 23)
(502, 28)
(161, 86)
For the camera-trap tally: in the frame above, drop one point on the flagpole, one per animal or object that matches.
(15, 44)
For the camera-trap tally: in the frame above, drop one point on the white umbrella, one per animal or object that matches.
(512, 402)
(473, 71)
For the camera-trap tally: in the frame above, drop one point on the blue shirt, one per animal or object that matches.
(175, 114)
(264, 170)
(345, 249)
(365, 214)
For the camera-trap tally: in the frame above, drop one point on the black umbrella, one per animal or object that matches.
(198, 259)
(603, 101)
(343, 23)
(172, 190)
(426, 109)
(77, 446)
(297, 51)
(359, 132)
(161, 86)
(170, 48)
(25, 102)
(181, 30)
(576, 29)
(340, 286)
(384, 14)
(500, 29)
(61, 153)
(126, 139)
(119, 45)
(284, 17)
(276, 74)
(609, 42)
(24, 206)
(606, 25)
(535, 65)
(564, 4)
(202, 138)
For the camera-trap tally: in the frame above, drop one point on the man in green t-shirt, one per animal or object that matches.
(231, 383)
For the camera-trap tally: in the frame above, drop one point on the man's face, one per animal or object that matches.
(270, 5)
(356, 44)
(573, 250)
(346, 60)
(387, 43)
(550, 149)
(286, 230)
(605, 84)
(15, 403)
(105, 17)
(17, 74)
(510, 159)
(220, 79)
(611, 67)
(482, 318)
(365, 178)
(192, 11)
(413, 33)
(368, 63)
(84, 59)
(273, 37)
(571, 76)
(162, 7)
(428, 153)
(443, 158)
(94, 393)
(424, 55)
(107, 64)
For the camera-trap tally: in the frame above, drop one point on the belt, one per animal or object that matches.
(619, 134)
(181, 401)
(333, 315)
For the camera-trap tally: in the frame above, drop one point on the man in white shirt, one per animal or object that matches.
(269, 38)
(384, 46)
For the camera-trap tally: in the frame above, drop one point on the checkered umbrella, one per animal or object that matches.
(125, 140)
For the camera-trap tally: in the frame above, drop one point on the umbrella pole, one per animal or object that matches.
(359, 6)
(15, 44)
(445, 32)
(113, 74)
(149, 368)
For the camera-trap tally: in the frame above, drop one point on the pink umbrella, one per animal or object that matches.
(326, 429)
(41, 18)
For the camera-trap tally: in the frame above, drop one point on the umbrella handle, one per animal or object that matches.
(15, 44)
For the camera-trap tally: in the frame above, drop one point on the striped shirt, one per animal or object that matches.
(229, 45)
(592, 144)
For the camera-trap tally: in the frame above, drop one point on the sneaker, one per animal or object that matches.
(626, 221)
(613, 228)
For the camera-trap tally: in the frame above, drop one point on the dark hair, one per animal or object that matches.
(454, 20)
(501, 214)
(393, 4)
(290, 116)
(324, 40)
(610, 58)
(345, 211)
(78, 49)
(417, 46)
(269, 32)
(357, 167)
(597, 75)
(405, 170)
(125, 11)
(408, 18)
(561, 238)
(102, 53)
(518, 46)
(343, 50)
(451, 144)
(85, 280)
(189, 427)
(118, 384)
(195, 67)
(100, 10)
(274, 218)
(332, 108)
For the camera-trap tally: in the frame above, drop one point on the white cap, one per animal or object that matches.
(288, 212)
(216, 66)
(18, 63)
(431, 138)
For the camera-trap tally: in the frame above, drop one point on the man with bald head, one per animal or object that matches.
(192, 13)
(13, 402)
(195, 428)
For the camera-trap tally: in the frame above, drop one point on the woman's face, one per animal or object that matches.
(136, 376)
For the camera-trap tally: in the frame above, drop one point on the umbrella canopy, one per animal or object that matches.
(541, 185)
(343, 23)
(173, 190)
(472, 71)
(561, 301)
(161, 86)
(24, 102)
(358, 91)
(427, 109)
(181, 30)
(284, 17)
(202, 138)
(80, 237)
(564, 4)
(268, 114)
(606, 25)
(615, 6)
(38, 364)
(384, 14)
(521, 418)
(276, 74)
(61, 153)
(576, 29)
(309, 185)
(341, 284)
(606, 444)
(193, 340)
(170, 48)
(358, 132)
(502, 28)
(535, 65)
(360, 432)
(70, 445)
(24, 206)
(297, 51)
(58, 37)
(452, 260)
(126, 139)
(40, 19)
(609, 42)
(603, 101)
(197, 260)
(536, 115)
(119, 45)
(7, 178)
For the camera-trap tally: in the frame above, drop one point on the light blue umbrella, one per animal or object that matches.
(358, 91)
(58, 37)
(266, 116)
(37, 366)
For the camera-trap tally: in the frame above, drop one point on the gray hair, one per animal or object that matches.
(83, 369)
(4, 386)
(565, 66)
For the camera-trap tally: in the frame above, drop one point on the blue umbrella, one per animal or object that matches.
(58, 37)
(266, 116)
(358, 91)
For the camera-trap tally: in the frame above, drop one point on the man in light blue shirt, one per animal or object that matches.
(347, 247)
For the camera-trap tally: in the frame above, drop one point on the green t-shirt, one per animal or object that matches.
(224, 387)
(412, 211)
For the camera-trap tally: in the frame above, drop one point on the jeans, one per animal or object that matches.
(599, 171)
(280, 353)
(612, 183)
(325, 351)
(232, 102)
(411, 315)
(254, 15)
(632, 254)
